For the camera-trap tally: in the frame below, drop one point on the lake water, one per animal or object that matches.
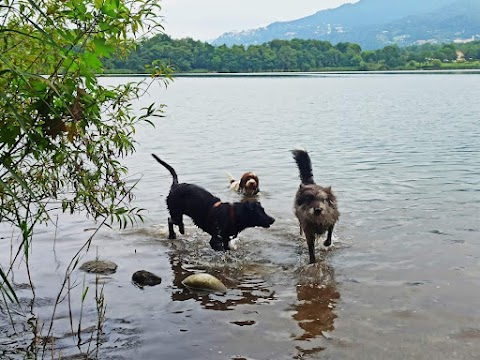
(402, 281)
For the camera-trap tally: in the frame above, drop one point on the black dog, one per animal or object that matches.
(223, 221)
(315, 206)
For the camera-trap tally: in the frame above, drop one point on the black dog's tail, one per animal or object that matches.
(169, 168)
(304, 166)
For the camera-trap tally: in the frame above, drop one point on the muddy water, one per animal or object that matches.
(401, 281)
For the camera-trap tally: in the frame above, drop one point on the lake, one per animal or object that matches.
(402, 280)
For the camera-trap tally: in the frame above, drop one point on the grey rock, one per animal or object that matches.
(103, 267)
(143, 278)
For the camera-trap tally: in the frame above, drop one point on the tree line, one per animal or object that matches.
(188, 55)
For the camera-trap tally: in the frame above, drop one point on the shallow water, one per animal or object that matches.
(401, 152)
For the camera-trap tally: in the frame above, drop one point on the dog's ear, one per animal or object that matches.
(330, 196)
(304, 196)
(242, 182)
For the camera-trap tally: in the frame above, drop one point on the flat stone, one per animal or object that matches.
(103, 267)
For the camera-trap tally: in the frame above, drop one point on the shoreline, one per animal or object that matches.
(312, 73)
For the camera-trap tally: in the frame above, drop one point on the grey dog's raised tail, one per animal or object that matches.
(304, 166)
(169, 168)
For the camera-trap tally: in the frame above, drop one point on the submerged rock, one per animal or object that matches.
(143, 278)
(243, 323)
(204, 282)
(104, 267)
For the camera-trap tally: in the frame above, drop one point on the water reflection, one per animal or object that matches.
(317, 296)
(244, 289)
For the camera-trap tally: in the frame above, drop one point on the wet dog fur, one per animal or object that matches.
(223, 221)
(248, 184)
(315, 206)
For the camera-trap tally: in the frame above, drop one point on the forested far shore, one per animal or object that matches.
(188, 55)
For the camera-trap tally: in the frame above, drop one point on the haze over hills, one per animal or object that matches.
(374, 24)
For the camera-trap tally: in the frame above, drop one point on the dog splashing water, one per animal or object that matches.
(223, 221)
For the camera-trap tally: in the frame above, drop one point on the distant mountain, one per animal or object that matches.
(374, 24)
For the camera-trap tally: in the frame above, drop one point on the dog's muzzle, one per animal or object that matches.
(317, 211)
(271, 220)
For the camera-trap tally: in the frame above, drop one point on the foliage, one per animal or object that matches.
(63, 133)
(187, 55)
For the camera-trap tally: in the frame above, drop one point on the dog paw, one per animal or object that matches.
(216, 245)
(232, 244)
(328, 248)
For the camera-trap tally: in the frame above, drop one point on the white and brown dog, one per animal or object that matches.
(248, 184)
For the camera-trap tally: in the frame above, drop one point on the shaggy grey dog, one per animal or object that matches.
(315, 206)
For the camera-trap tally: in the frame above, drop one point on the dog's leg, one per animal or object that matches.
(171, 231)
(311, 246)
(175, 219)
(216, 242)
(328, 242)
(226, 240)
(181, 226)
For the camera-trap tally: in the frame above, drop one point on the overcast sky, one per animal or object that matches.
(208, 19)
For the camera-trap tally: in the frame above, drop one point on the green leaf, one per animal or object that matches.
(110, 9)
(98, 4)
(9, 286)
(80, 7)
(91, 60)
(101, 47)
(84, 295)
